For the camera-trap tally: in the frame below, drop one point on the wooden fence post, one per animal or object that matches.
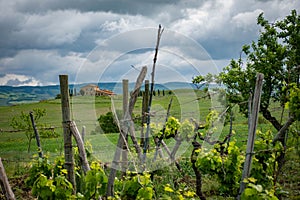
(66, 120)
(252, 132)
(80, 145)
(125, 109)
(37, 137)
(123, 132)
(5, 184)
(83, 133)
(146, 143)
(144, 111)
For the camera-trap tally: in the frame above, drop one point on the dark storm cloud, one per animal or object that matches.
(40, 39)
(116, 6)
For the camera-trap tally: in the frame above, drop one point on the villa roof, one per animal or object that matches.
(98, 90)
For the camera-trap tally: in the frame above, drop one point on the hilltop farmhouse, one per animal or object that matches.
(94, 90)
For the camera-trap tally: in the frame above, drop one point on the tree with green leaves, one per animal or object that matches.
(23, 122)
(276, 54)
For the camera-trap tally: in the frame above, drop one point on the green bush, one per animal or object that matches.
(48, 133)
(107, 123)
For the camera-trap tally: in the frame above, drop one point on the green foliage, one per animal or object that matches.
(209, 127)
(211, 118)
(23, 122)
(199, 81)
(264, 163)
(256, 191)
(186, 130)
(48, 181)
(178, 194)
(95, 182)
(172, 128)
(48, 133)
(227, 167)
(295, 139)
(107, 123)
(134, 186)
(294, 101)
(276, 55)
(225, 162)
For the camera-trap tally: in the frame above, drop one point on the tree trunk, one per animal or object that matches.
(280, 136)
(268, 116)
(198, 174)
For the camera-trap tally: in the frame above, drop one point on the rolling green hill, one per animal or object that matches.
(25, 94)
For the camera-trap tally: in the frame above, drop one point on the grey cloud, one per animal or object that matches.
(67, 29)
(17, 82)
(44, 66)
(122, 7)
(48, 37)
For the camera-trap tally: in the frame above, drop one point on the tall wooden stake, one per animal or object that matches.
(66, 120)
(5, 184)
(37, 137)
(127, 126)
(83, 130)
(80, 145)
(144, 111)
(125, 109)
(159, 33)
(252, 132)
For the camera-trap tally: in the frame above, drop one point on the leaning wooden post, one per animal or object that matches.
(5, 184)
(252, 132)
(125, 109)
(144, 111)
(80, 145)
(66, 120)
(37, 137)
(123, 132)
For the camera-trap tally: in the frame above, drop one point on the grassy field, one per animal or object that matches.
(85, 112)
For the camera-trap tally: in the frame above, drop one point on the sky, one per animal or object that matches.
(110, 40)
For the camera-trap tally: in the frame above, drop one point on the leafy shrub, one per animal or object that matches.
(95, 182)
(226, 167)
(23, 122)
(107, 123)
(48, 133)
(48, 181)
(135, 186)
(256, 191)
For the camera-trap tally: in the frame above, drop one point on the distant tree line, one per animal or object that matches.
(72, 92)
(158, 92)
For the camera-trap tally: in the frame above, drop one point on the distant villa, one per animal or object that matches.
(94, 90)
